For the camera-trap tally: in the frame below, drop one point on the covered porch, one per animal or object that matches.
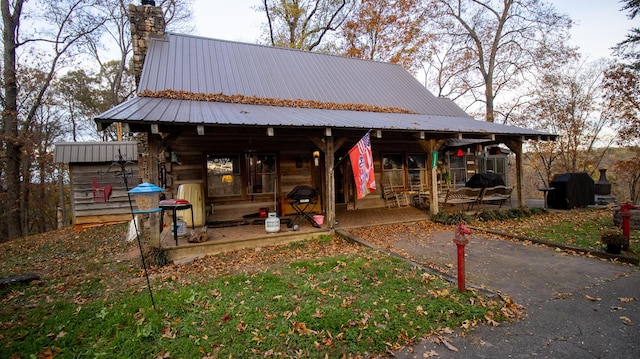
(247, 235)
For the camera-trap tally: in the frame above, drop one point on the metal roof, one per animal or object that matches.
(94, 152)
(201, 65)
(209, 66)
(155, 110)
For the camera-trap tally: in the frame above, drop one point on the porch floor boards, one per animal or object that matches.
(254, 235)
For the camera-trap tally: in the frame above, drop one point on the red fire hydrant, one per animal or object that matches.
(625, 213)
(461, 240)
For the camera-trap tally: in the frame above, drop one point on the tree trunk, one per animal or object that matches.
(490, 116)
(10, 138)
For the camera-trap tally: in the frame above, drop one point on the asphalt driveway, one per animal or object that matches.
(577, 306)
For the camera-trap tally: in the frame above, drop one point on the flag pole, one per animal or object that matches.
(343, 158)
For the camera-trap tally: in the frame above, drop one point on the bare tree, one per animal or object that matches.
(568, 101)
(65, 25)
(500, 41)
(303, 24)
(112, 51)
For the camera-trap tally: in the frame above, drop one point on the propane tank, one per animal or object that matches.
(272, 223)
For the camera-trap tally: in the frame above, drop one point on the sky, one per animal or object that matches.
(599, 24)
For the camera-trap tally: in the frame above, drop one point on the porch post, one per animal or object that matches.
(433, 200)
(516, 146)
(429, 147)
(328, 147)
(330, 185)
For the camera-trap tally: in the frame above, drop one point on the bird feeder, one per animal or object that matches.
(146, 196)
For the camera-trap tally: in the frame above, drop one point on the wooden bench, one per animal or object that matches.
(463, 195)
(496, 195)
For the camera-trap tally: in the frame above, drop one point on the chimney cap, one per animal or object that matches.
(148, 2)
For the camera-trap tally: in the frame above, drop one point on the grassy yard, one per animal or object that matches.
(577, 228)
(314, 299)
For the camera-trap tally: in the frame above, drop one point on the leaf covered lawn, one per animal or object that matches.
(313, 299)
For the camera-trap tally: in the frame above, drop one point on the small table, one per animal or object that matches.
(175, 208)
(545, 191)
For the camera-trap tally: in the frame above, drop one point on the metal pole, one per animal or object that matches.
(122, 163)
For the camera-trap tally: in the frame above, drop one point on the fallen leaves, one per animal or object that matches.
(627, 299)
(439, 339)
(167, 333)
(266, 101)
(301, 328)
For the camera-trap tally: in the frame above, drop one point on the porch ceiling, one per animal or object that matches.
(148, 110)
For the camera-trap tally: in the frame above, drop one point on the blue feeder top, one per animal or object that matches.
(145, 188)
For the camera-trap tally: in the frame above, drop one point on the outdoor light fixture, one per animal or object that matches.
(316, 158)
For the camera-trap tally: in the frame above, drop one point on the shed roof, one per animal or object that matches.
(94, 152)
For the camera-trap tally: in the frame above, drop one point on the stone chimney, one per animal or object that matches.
(146, 21)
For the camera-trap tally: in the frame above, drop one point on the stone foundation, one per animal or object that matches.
(634, 221)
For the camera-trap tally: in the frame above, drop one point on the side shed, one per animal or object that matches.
(98, 192)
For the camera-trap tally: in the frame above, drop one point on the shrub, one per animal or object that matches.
(450, 218)
(613, 236)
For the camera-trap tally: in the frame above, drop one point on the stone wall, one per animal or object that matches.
(634, 221)
(146, 21)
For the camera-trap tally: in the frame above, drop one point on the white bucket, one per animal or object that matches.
(272, 223)
(181, 227)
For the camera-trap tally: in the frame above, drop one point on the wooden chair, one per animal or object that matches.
(420, 195)
(392, 198)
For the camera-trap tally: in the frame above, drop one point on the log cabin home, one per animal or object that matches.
(248, 123)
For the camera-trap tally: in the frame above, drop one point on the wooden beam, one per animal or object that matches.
(515, 146)
(430, 147)
(330, 183)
